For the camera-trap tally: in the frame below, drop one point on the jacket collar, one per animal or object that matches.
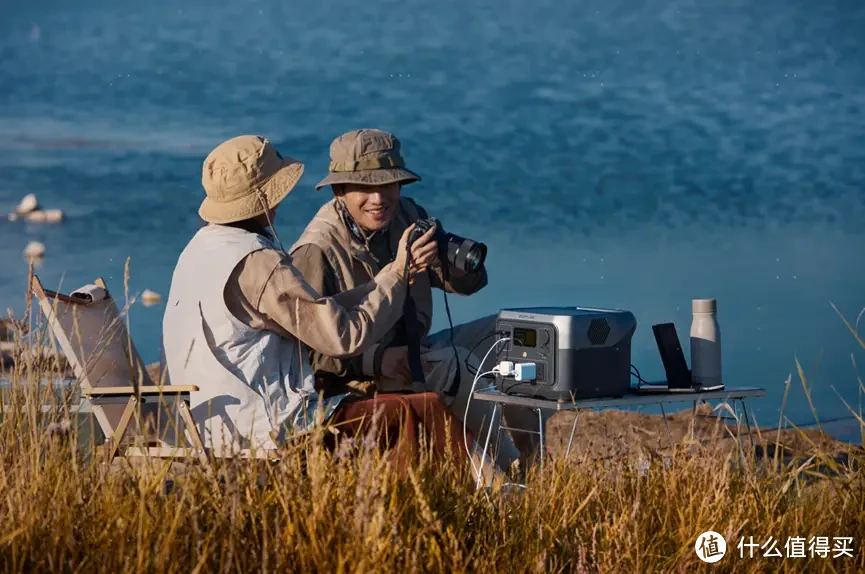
(355, 235)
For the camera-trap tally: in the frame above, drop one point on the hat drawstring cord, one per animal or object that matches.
(263, 200)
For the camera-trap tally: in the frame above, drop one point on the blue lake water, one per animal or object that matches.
(632, 154)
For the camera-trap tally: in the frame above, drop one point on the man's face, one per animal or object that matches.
(371, 206)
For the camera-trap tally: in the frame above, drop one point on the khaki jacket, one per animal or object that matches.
(332, 261)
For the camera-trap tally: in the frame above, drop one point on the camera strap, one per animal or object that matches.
(413, 336)
(455, 385)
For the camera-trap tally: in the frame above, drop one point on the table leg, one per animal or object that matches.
(496, 407)
(748, 424)
(541, 432)
(664, 413)
(739, 433)
(693, 420)
(573, 430)
(498, 436)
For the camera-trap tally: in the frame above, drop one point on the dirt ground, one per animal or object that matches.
(614, 433)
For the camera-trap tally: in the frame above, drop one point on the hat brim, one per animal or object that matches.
(275, 189)
(371, 177)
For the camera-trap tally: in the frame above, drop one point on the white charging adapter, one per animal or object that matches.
(525, 372)
(506, 368)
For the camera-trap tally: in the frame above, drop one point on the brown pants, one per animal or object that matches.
(404, 423)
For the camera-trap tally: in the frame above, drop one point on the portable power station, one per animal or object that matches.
(578, 352)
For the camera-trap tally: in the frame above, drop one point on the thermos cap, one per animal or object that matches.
(704, 306)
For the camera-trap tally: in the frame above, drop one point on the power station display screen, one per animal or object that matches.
(525, 337)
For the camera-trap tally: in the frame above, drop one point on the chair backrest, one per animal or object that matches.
(95, 341)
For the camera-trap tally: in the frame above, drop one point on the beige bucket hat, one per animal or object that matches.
(238, 172)
(367, 157)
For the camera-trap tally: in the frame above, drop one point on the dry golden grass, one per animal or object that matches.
(63, 509)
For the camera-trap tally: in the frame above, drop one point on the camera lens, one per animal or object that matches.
(475, 257)
(465, 254)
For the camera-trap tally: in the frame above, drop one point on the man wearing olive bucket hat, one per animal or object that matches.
(238, 315)
(352, 237)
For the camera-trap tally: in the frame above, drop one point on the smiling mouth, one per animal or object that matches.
(377, 212)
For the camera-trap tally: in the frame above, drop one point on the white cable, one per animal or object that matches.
(478, 472)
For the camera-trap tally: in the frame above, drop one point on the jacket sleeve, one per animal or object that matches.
(322, 323)
(461, 284)
(317, 271)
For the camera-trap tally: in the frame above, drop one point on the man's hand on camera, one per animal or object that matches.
(424, 253)
(402, 252)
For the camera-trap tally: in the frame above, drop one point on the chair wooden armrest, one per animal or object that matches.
(145, 390)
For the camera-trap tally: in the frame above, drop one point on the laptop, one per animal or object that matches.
(678, 375)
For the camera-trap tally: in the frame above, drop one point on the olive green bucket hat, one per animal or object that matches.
(367, 157)
(242, 175)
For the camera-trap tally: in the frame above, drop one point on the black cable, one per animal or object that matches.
(640, 380)
(468, 366)
(456, 383)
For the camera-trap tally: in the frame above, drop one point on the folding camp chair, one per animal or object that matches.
(137, 417)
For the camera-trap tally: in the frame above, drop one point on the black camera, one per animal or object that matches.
(463, 254)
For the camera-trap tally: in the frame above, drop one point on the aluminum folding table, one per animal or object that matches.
(499, 400)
